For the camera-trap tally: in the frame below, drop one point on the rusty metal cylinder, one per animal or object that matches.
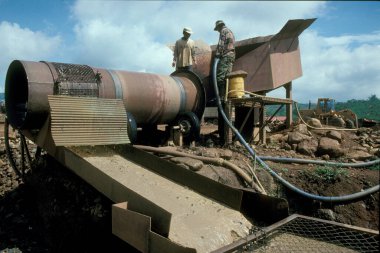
(151, 98)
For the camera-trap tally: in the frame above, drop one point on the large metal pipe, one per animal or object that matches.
(151, 98)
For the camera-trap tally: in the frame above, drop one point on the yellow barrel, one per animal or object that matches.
(236, 84)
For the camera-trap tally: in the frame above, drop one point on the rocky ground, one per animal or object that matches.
(52, 210)
(329, 145)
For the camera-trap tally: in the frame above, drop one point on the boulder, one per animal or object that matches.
(210, 143)
(276, 138)
(210, 152)
(314, 123)
(361, 148)
(366, 146)
(359, 155)
(336, 121)
(286, 146)
(302, 129)
(193, 164)
(307, 147)
(373, 151)
(330, 147)
(334, 135)
(226, 154)
(325, 157)
(326, 214)
(295, 137)
(2, 149)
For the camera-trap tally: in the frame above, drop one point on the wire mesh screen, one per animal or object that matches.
(76, 80)
(309, 235)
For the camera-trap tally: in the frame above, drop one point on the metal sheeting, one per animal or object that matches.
(80, 121)
(293, 28)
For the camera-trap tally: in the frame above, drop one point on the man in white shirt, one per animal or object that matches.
(184, 56)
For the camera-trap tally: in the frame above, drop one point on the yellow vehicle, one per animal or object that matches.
(325, 112)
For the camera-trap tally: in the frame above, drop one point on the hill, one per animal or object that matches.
(369, 108)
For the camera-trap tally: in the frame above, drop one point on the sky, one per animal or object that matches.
(340, 51)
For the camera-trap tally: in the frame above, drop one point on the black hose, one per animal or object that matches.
(320, 162)
(8, 149)
(336, 199)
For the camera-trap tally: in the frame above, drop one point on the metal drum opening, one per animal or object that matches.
(16, 94)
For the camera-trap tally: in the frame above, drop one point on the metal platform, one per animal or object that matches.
(259, 101)
(248, 115)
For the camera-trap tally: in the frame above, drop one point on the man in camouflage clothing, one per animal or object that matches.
(225, 50)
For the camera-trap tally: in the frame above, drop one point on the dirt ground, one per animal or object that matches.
(319, 180)
(52, 210)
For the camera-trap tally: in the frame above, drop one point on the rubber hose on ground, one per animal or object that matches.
(335, 199)
(320, 162)
(216, 161)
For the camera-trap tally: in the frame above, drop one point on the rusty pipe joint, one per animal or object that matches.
(152, 99)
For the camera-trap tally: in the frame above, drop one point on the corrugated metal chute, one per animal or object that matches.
(82, 121)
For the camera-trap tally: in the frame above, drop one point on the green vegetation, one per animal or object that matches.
(284, 170)
(374, 167)
(329, 174)
(369, 108)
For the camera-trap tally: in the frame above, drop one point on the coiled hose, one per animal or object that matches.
(335, 199)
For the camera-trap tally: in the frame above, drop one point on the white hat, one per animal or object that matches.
(187, 30)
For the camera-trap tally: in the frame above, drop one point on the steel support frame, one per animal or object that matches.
(255, 102)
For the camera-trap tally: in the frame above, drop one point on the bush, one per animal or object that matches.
(330, 174)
